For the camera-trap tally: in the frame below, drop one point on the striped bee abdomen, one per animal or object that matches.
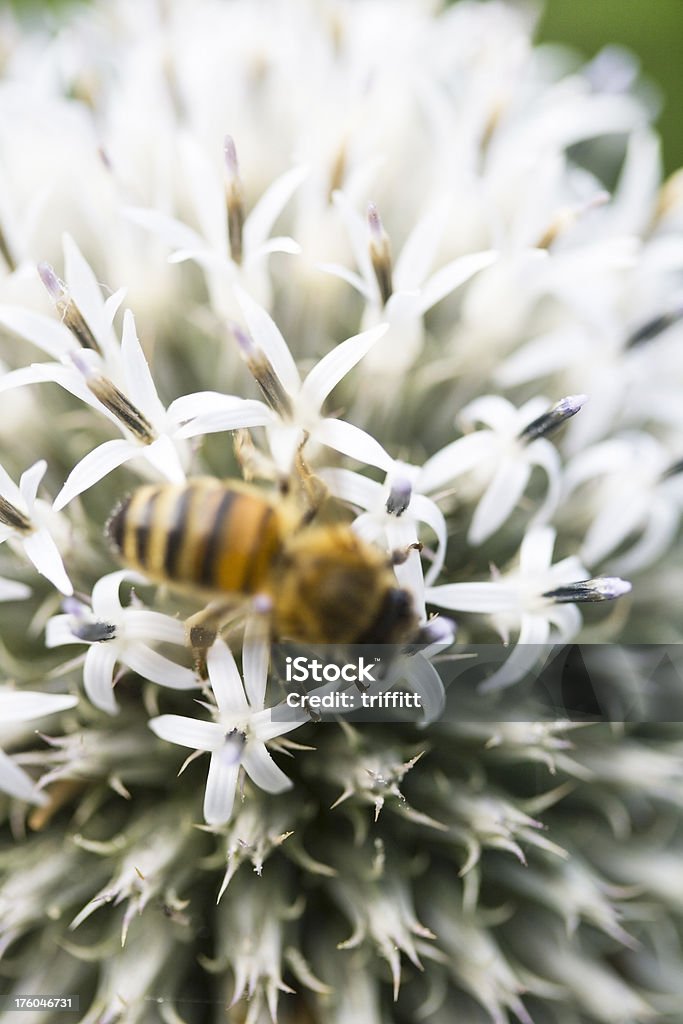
(215, 535)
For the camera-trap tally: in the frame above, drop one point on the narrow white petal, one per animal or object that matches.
(456, 458)
(202, 402)
(30, 482)
(87, 294)
(542, 453)
(352, 487)
(96, 465)
(352, 441)
(255, 660)
(38, 373)
(113, 304)
(566, 618)
(491, 410)
(266, 211)
(58, 632)
(221, 784)
(284, 441)
(10, 491)
(140, 386)
(44, 553)
(277, 721)
(163, 455)
(427, 512)
(536, 550)
(225, 680)
(657, 537)
(15, 782)
(452, 276)
(355, 280)
(425, 681)
(268, 338)
(333, 367)
(141, 624)
(400, 533)
(262, 770)
(616, 520)
(25, 705)
(106, 603)
(173, 232)
(73, 381)
(420, 248)
(529, 648)
(188, 732)
(151, 665)
(279, 244)
(357, 230)
(499, 500)
(44, 332)
(98, 676)
(13, 590)
(248, 413)
(483, 598)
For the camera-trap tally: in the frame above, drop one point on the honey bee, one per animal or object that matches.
(229, 541)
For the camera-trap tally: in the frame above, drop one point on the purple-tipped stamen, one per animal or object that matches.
(602, 588)
(551, 420)
(399, 496)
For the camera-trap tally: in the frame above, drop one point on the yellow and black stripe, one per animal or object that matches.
(220, 536)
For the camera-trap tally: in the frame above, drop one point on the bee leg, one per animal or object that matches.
(313, 490)
(401, 555)
(253, 463)
(201, 630)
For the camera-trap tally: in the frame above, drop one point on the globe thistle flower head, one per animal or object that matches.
(402, 284)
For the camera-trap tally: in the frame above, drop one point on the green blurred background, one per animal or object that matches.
(653, 29)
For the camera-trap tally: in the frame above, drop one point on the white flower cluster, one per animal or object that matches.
(516, 271)
(185, 185)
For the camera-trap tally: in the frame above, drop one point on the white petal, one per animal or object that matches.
(427, 512)
(106, 604)
(225, 680)
(420, 248)
(221, 784)
(9, 490)
(499, 500)
(492, 410)
(87, 295)
(141, 624)
(25, 705)
(355, 280)
(357, 230)
(255, 659)
(333, 367)
(13, 590)
(44, 332)
(98, 676)
(452, 276)
(163, 455)
(140, 387)
(268, 338)
(352, 487)
(240, 412)
(657, 537)
(352, 441)
(456, 458)
(400, 533)
(203, 179)
(277, 721)
(279, 244)
(424, 680)
(566, 618)
(35, 374)
(15, 782)
(284, 441)
(529, 648)
(151, 665)
(58, 631)
(44, 553)
(542, 453)
(536, 550)
(260, 221)
(113, 304)
(483, 598)
(93, 467)
(617, 519)
(173, 232)
(262, 770)
(202, 402)
(30, 482)
(73, 381)
(188, 732)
